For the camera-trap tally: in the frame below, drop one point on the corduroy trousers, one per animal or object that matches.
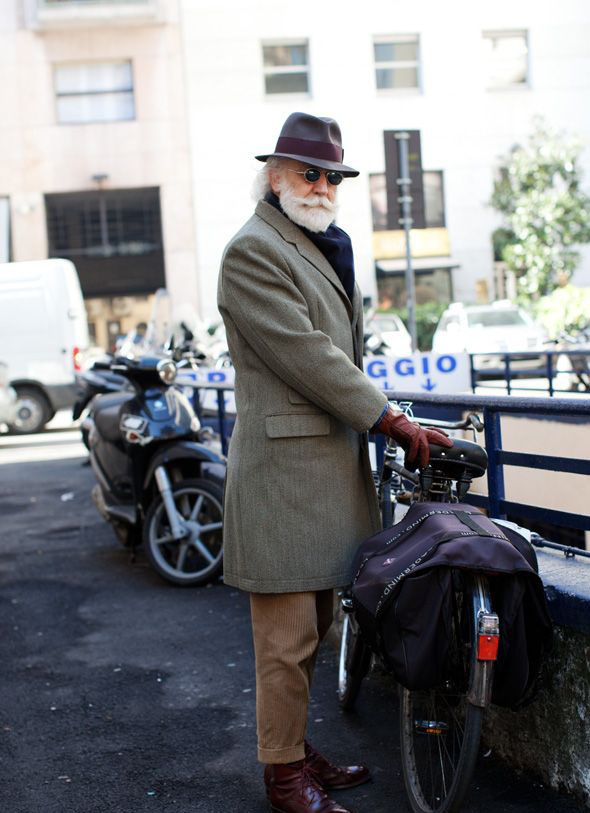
(287, 629)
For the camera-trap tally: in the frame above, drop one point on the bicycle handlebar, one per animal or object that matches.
(472, 421)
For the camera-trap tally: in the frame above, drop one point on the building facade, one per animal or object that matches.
(96, 155)
(129, 129)
(470, 77)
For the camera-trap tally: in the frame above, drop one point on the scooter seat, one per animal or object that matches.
(106, 411)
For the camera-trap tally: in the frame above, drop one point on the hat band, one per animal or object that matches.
(311, 149)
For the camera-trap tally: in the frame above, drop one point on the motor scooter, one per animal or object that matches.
(158, 482)
(95, 381)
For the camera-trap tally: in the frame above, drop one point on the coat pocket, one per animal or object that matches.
(293, 426)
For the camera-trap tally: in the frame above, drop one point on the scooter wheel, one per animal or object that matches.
(197, 558)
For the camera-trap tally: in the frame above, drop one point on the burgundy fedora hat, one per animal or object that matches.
(315, 141)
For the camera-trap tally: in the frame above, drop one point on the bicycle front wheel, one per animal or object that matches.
(440, 728)
(354, 662)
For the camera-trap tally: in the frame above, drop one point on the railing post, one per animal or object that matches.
(493, 438)
(550, 372)
(507, 374)
(473, 373)
(221, 416)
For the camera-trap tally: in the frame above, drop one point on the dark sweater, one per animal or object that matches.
(335, 245)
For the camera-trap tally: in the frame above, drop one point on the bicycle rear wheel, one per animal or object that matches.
(440, 728)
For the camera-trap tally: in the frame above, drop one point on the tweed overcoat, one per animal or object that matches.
(299, 493)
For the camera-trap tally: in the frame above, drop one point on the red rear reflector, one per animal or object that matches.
(487, 647)
(77, 359)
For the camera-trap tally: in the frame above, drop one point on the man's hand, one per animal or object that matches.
(412, 437)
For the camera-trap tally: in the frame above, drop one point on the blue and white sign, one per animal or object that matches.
(208, 377)
(421, 372)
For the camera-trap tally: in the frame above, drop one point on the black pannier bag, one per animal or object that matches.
(402, 592)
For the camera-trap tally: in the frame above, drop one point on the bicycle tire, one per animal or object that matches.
(440, 729)
(354, 662)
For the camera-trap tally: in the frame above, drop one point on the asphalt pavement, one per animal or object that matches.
(122, 693)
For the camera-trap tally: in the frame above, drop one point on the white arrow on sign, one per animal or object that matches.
(421, 372)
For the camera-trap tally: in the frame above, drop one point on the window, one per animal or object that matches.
(113, 237)
(378, 192)
(397, 62)
(94, 92)
(434, 202)
(447, 321)
(286, 67)
(431, 285)
(507, 58)
(509, 317)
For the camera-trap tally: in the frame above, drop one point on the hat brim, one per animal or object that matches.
(348, 172)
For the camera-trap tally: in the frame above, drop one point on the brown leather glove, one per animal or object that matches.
(412, 437)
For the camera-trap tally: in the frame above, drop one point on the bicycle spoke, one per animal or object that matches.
(442, 767)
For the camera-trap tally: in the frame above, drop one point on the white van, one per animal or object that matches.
(43, 334)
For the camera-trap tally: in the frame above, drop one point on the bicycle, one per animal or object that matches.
(439, 728)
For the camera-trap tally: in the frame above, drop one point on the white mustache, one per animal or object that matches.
(316, 200)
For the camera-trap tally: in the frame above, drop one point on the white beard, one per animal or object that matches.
(315, 213)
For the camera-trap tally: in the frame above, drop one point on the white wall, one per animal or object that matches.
(465, 128)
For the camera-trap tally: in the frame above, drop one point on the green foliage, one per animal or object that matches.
(546, 213)
(566, 309)
(427, 317)
(501, 239)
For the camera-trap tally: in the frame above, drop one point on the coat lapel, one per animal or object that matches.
(292, 234)
(357, 305)
(357, 326)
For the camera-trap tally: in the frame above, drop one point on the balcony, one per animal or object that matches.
(55, 14)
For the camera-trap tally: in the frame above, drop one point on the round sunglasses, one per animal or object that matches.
(313, 175)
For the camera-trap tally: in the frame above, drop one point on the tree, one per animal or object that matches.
(546, 213)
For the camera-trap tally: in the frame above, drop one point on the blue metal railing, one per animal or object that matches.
(538, 365)
(492, 409)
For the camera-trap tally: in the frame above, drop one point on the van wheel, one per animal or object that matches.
(32, 411)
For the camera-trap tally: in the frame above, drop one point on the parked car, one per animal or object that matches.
(43, 335)
(385, 333)
(501, 327)
(7, 397)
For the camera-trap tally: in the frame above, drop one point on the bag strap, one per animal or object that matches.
(466, 519)
(463, 516)
(396, 538)
(388, 591)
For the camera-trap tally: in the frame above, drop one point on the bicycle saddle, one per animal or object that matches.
(464, 458)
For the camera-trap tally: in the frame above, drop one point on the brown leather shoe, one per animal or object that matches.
(334, 777)
(292, 788)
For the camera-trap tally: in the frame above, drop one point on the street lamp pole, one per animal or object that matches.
(405, 183)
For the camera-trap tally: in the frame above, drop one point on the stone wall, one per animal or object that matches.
(551, 737)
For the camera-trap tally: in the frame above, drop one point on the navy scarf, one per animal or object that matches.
(335, 245)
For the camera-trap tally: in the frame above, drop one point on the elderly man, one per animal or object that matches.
(299, 492)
